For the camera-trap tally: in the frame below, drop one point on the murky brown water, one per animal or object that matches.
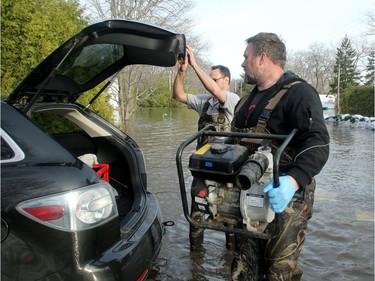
(340, 241)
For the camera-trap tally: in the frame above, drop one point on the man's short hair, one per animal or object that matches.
(223, 69)
(271, 44)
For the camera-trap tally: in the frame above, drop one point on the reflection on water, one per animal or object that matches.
(340, 241)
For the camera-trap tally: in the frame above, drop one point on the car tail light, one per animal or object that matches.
(79, 209)
(46, 213)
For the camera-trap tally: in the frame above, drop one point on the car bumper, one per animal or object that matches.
(130, 259)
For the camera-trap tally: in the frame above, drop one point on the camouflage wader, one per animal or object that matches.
(276, 259)
(218, 120)
(221, 123)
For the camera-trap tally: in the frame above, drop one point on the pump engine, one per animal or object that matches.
(229, 185)
(230, 179)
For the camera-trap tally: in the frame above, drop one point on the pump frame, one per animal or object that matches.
(209, 130)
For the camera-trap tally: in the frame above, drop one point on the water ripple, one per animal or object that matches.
(340, 241)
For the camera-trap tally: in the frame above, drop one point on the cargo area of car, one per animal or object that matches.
(110, 165)
(94, 146)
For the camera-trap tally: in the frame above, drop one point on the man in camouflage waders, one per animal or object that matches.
(216, 108)
(280, 102)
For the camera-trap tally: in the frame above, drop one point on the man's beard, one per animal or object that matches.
(250, 80)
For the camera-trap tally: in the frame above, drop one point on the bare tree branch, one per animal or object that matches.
(370, 21)
(169, 14)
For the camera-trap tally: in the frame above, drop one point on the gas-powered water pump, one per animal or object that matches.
(229, 182)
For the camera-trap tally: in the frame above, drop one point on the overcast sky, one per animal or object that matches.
(225, 24)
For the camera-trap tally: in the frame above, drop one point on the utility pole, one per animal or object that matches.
(338, 91)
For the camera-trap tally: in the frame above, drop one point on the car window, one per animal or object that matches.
(84, 64)
(54, 124)
(10, 151)
(6, 150)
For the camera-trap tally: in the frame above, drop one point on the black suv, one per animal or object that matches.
(74, 204)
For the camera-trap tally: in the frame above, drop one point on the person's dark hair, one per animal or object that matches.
(271, 44)
(223, 69)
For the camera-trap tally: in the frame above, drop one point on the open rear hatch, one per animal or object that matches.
(92, 56)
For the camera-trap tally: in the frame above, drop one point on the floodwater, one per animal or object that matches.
(340, 240)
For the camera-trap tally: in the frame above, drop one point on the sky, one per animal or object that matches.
(226, 24)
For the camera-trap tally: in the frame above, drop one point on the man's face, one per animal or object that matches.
(250, 64)
(221, 80)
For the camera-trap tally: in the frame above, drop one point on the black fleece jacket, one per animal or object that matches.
(299, 108)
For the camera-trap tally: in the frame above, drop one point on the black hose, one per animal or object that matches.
(252, 170)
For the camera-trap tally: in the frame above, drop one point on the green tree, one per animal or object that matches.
(358, 100)
(156, 92)
(370, 69)
(31, 30)
(345, 73)
(101, 105)
(345, 68)
(55, 124)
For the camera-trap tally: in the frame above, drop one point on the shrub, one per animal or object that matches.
(358, 100)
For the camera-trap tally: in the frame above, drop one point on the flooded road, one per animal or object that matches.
(340, 241)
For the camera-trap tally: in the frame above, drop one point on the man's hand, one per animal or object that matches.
(178, 85)
(282, 195)
(191, 57)
(182, 64)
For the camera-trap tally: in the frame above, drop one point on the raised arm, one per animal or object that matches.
(210, 85)
(178, 86)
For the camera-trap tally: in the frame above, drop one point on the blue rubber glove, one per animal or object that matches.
(281, 196)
